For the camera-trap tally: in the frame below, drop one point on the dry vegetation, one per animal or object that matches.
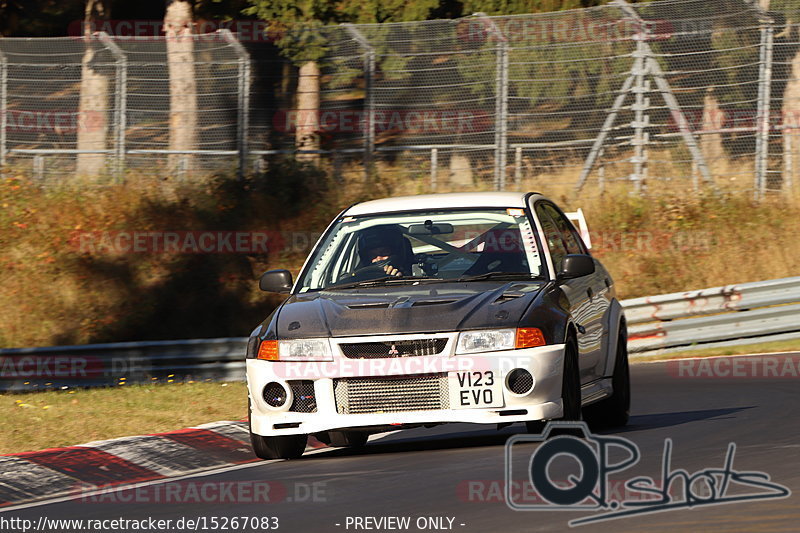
(671, 239)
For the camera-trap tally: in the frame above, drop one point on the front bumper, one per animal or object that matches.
(542, 402)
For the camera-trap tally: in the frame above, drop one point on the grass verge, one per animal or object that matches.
(38, 420)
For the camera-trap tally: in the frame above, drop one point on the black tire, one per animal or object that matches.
(281, 447)
(347, 439)
(614, 411)
(535, 426)
(571, 383)
(570, 390)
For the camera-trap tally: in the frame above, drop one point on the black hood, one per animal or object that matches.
(424, 308)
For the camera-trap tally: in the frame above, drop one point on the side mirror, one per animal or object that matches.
(279, 281)
(576, 266)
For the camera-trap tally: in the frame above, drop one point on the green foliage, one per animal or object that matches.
(518, 7)
(379, 11)
(297, 25)
(38, 18)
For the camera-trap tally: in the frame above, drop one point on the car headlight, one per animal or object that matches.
(492, 340)
(296, 350)
(499, 339)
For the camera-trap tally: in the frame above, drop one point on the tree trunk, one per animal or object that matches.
(182, 82)
(93, 103)
(713, 120)
(307, 132)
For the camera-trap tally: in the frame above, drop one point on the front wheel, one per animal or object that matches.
(570, 393)
(345, 439)
(280, 447)
(535, 427)
(571, 384)
(614, 411)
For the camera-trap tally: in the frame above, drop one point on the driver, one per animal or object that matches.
(384, 246)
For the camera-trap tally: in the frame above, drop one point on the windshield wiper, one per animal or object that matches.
(396, 280)
(385, 280)
(500, 275)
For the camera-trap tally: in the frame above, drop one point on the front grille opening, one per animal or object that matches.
(391, 394)
(305, 401)
(399, 348)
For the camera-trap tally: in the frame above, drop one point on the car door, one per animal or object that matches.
(586, 305)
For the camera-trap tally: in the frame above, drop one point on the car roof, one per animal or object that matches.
(442, 201)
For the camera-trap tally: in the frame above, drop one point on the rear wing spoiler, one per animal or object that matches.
(579, 221)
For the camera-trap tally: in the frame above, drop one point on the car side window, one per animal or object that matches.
(553, 237)
(571, 239)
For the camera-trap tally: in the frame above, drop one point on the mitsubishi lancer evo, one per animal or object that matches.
(423, 310)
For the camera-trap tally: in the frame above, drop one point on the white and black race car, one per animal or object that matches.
(423, 310)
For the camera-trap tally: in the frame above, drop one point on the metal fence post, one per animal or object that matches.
(764, 95)
(434, 167)
(597, 146)
(601, 177)
(640, 119)
(120, 101)
(502, 117)
(183, 167)
(654, 69)
(501, 103)
(243, 99)
(788, 164)
(38, 167)
(369, 104)
(3, 108)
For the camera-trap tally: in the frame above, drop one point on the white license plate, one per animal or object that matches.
(475, 389)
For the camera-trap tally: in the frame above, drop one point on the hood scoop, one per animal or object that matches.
(420, 303)
(515, 291)
(509, 295)
(369, 305)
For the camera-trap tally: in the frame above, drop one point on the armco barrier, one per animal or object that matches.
(93, 365)
(721, 316)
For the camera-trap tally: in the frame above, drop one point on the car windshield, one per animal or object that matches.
(424, 245)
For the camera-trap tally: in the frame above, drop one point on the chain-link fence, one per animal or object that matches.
(102, 107)
(681, 91)
(687, 91)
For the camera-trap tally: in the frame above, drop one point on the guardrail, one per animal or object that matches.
(97, 365)
(721, 316)
(748, 313)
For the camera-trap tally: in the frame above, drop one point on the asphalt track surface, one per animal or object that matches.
(457, 471)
